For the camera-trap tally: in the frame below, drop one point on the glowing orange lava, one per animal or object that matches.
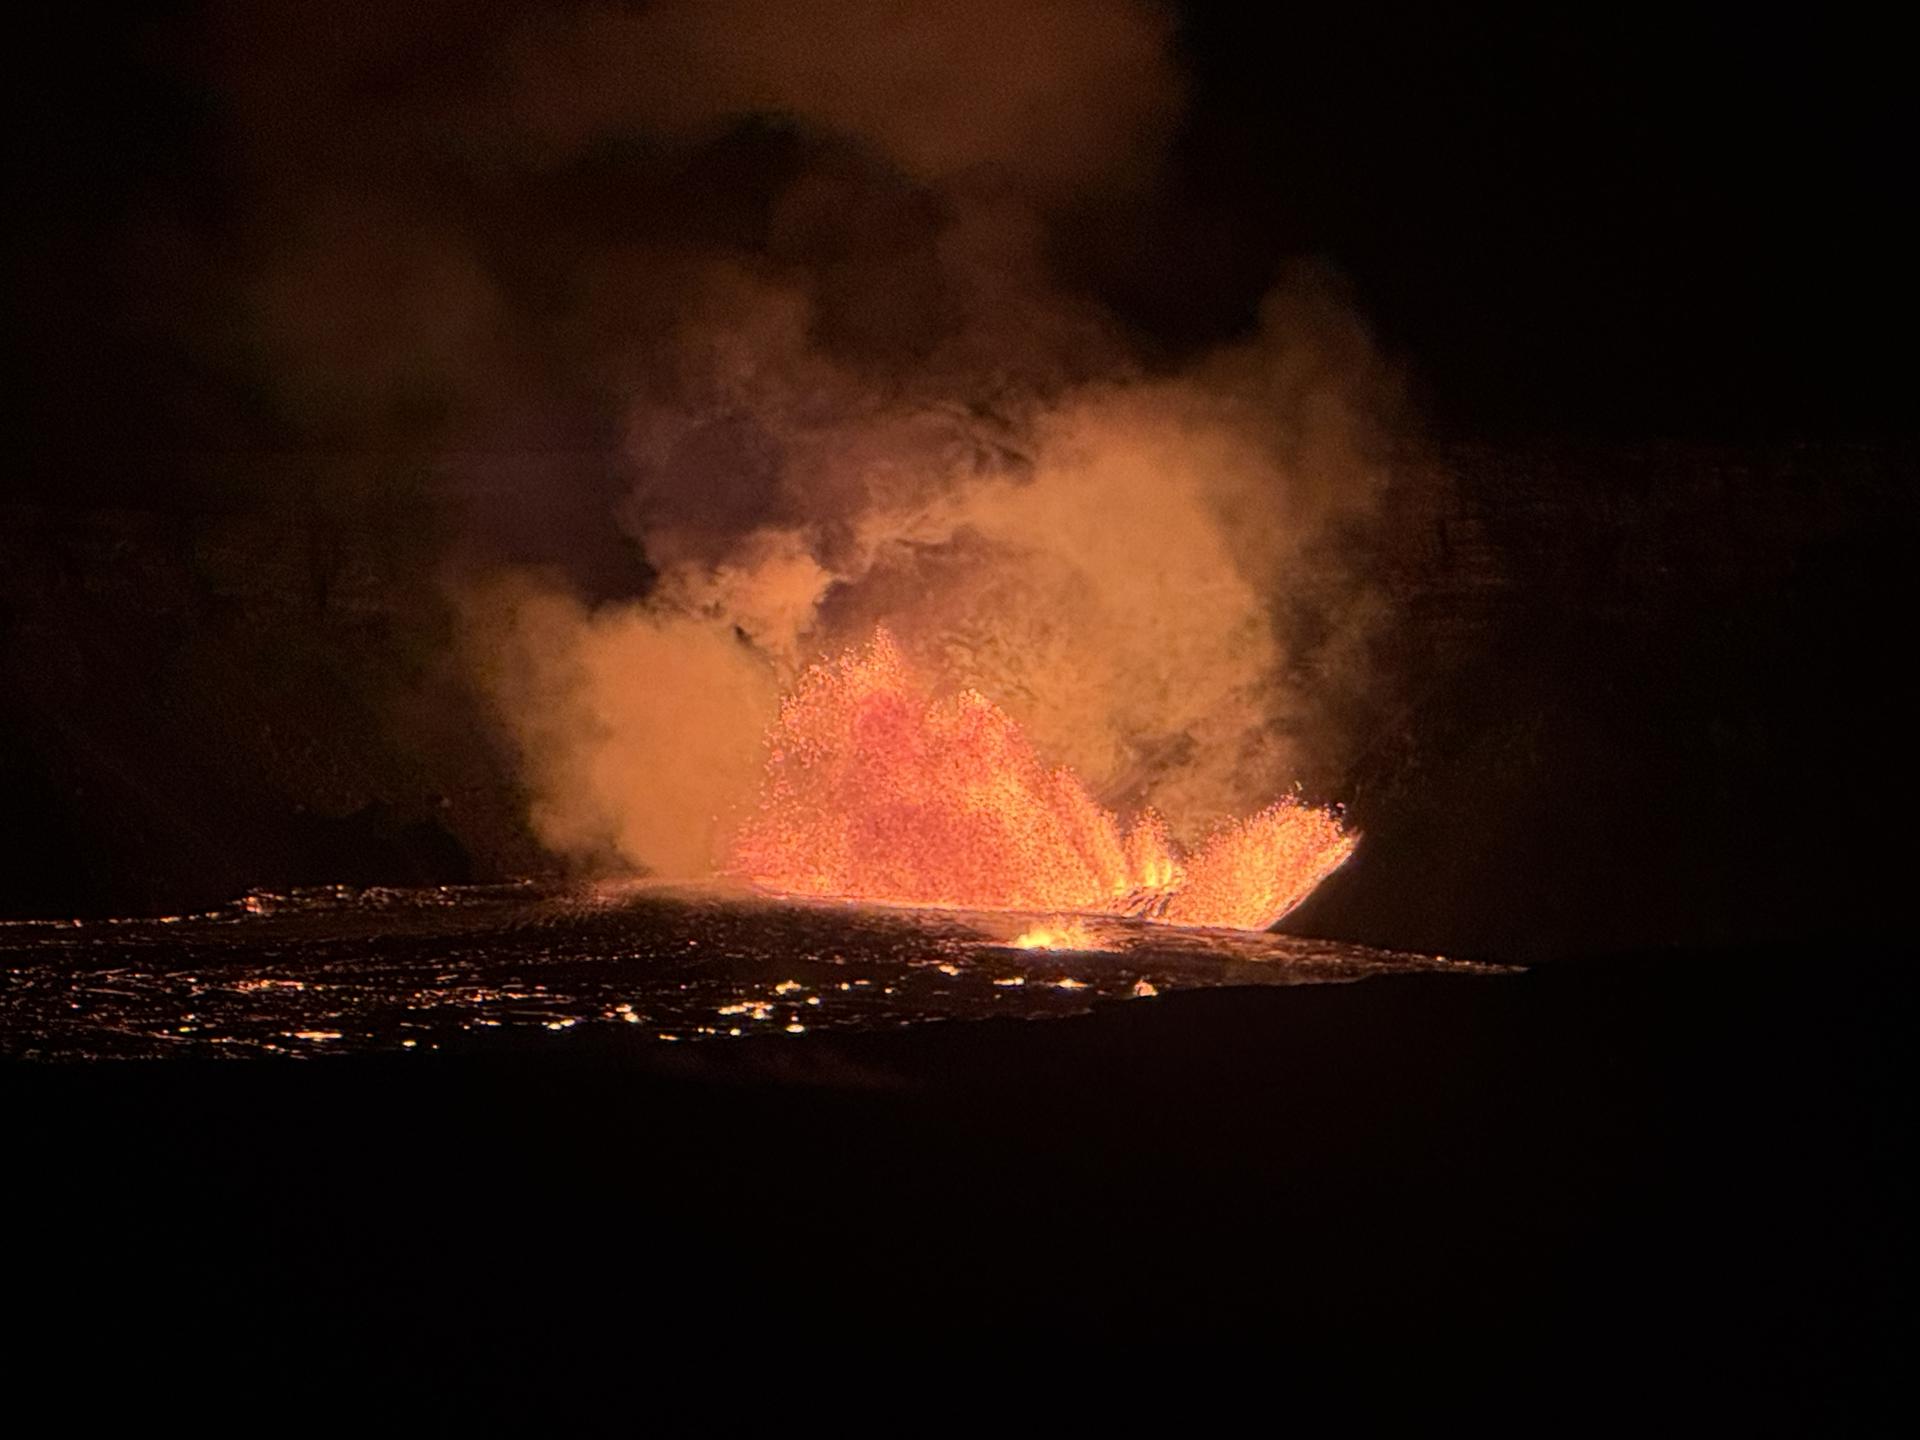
(1060, 933)
(876, 790)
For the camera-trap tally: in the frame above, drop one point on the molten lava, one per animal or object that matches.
(1060, 933)
(877, 790)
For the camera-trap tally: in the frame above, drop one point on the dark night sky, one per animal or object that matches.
(1589, 217)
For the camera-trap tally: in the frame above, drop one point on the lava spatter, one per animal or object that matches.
(877, 789)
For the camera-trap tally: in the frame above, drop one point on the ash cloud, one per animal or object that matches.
(794, 279)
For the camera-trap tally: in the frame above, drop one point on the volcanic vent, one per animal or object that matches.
(878, 789)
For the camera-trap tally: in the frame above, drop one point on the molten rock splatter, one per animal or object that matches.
(1060, 933)
(877, 790)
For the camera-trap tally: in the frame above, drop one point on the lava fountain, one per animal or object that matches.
(876, 789)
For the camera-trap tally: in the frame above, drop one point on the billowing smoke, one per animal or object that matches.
(1051, 96)
(804, 260)
(639, 728)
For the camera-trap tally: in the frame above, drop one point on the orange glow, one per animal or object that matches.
(1061, 933)
(1257, 869)
(874, 789)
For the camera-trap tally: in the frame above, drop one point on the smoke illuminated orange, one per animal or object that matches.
(877, 790)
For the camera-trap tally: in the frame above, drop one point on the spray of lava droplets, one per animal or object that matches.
(877, 790)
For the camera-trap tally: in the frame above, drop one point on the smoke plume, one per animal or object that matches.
(799, 278)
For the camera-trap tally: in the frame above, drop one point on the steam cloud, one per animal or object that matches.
(842, 382)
